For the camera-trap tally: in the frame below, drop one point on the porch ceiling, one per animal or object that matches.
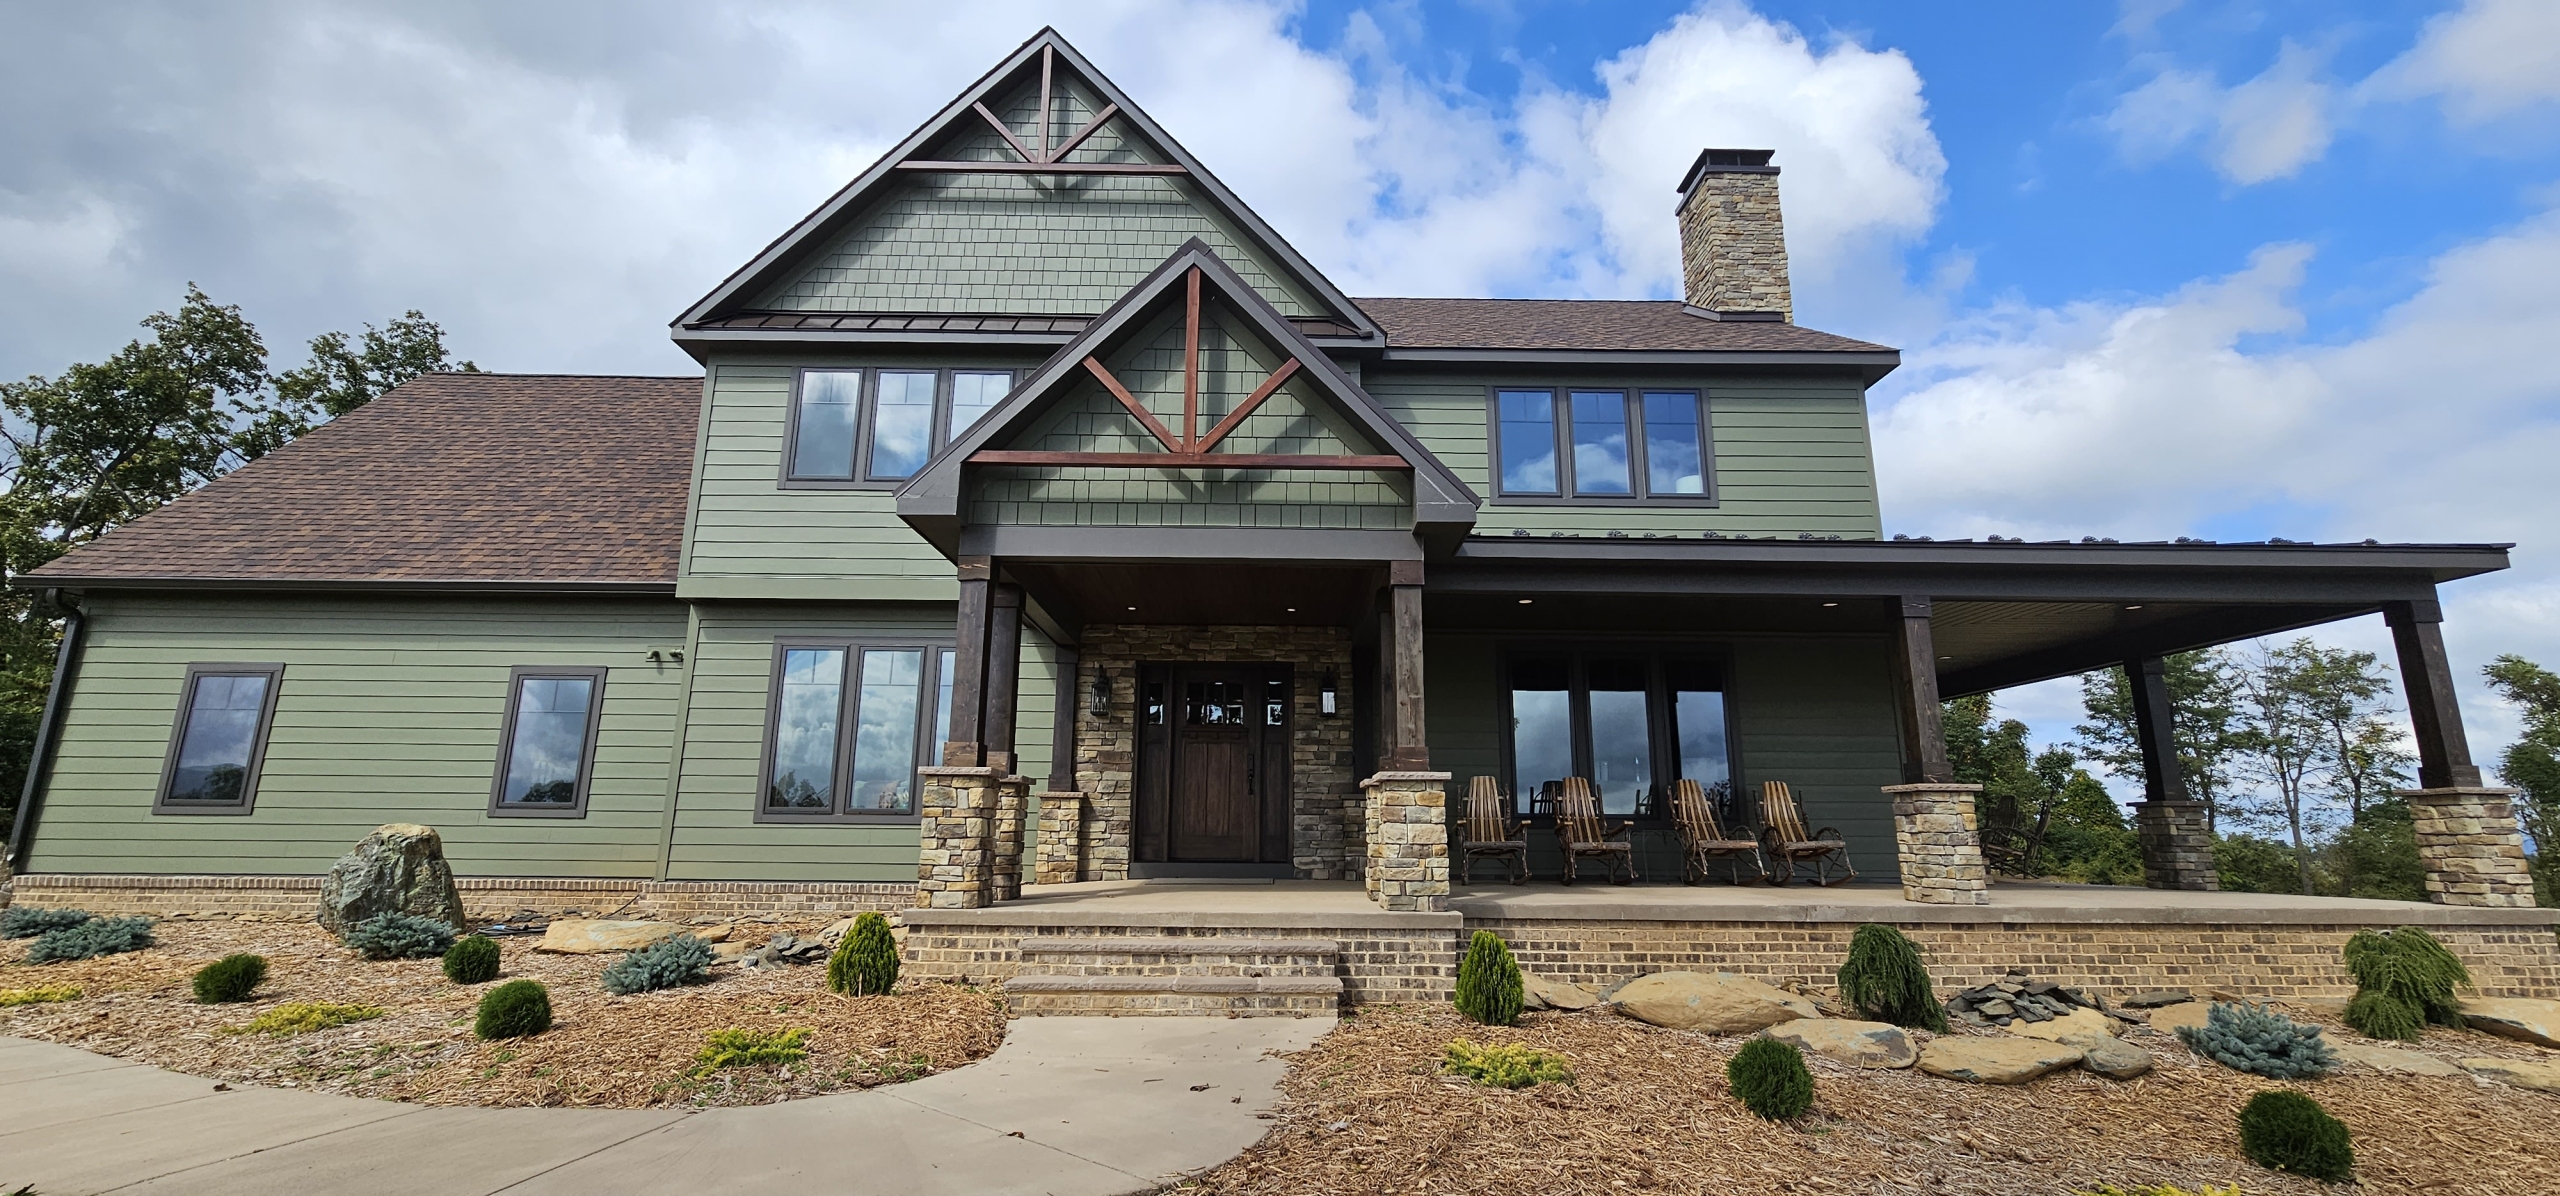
(1199, 595)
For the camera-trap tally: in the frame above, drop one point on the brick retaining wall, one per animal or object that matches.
(483, 897)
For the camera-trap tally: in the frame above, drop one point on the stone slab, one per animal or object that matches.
(1542, 993)
(1713, 1003)
(1996, 1060)
(1858, 1044)
(2539, 1075)
(2521, 1018)
(2390, 1060)
(588, 936)
(2079, 1023)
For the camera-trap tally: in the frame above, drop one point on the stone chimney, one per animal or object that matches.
(1733, 244)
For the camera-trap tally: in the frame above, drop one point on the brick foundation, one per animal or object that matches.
(1939, 843)
(2177, 846)
(1407, 824)
(1380, 964)
(484, 898)
(2471, 847)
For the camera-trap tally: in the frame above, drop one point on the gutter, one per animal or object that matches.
(66, 660)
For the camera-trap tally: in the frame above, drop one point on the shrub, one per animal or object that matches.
(27, 921)
(866, 962)
(400, 936)
(472, 960)
(2287, 1131)
(229, 978)
(1489, 989)
(1507, 1066)
(91, 938)
(2256, 1039)
(1884, 979)
(514, 1009)
(303, 1017)
(671, 961)
(42, 994)
(2404, 980)
(746, 1048)
(1769, 1078)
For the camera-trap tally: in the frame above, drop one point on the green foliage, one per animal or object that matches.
(1509, 1065)
(2404, 979)
(1489, 986)
(2040, 814)
(229, 978)
(746, 1048)
(2287, 1131)
(400, 936)
(472, 959)
(341, 377)
(2258, 1040)
(1769, 1078)
(2532, 763)
(27, 921)
(865, 963)
(513, 1010)
(42, 994)
(673, 961)
(2250, 864)
(95, 937)
(1884, 978)
(303, 1017)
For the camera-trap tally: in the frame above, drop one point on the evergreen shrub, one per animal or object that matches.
(2404, 980)
(1489, 988)
(1884, 979)
(400, 936)
(42, 994)
(2261, 1041)
(2287, 1131)
(1510, 1065)
(303, 1017)
(27, 921)
(473, 959)
(865, 963)
(675, 960)
(1769, 1078)
(91, 938)
(746, 1048)
(514, 1009)
(229, 978)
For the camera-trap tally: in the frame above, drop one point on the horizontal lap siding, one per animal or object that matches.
(389, 711)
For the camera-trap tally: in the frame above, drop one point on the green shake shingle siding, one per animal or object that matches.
(390, 710)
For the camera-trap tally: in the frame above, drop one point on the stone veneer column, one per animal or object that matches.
(1013, 805)
(1408, 848)
(956, 848)
(1061, 855)
(2473, 852)
(2177, 847)
(1940, 844)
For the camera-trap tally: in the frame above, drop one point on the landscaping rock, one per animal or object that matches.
(1858, 1044)
(2113, 1058)
(2157, 998)
(2167, 1020)
(1996, 1060)
(2079, 1023)
(1538, 992)
(2523, 1073)
(398, 869)
(1722, 1003)
(2392, 1060)
(2520, 1018)
(582, 936)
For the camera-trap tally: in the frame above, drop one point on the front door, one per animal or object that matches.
(1212, 764)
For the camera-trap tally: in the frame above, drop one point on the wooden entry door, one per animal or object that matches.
(1212, 769)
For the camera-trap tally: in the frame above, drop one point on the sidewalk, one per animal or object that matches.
(1067, 1105)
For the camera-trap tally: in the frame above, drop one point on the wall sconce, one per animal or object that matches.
(1326, 698)
(1098, 701)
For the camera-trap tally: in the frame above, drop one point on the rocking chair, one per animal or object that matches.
(1824, 853)
(1580, 832)
(1703, 842)
(1492, 832)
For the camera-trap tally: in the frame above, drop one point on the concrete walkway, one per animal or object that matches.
(1067, 1105)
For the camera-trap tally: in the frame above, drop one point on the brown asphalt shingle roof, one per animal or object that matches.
(1606, 324)
(450, 478)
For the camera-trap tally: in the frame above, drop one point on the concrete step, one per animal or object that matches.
(1195, 955)
(1035, 995)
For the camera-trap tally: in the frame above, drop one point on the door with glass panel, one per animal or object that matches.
(1212, 768)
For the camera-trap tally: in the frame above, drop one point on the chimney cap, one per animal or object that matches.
(1727, 161)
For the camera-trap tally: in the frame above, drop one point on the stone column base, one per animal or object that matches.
(1061, 855)
(956, 839)
(1408, 843)
(2472, 849)
(1013, 806)
(1940, 844)
(2177, 846)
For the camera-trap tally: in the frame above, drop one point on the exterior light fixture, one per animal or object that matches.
(1133, 608)
(1098, 703)
(2135, 606)
(1829, 605)
(1327, 699)
(1525, 601)
(1292, 610)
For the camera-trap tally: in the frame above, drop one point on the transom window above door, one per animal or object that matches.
(1631, 720)
(1602, 445)
(872, 427)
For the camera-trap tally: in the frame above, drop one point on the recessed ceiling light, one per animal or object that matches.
(2135, 606)
(1524, 602)
(1828, 605)
(1292, 610)
(1133, 608)
(1946, 658)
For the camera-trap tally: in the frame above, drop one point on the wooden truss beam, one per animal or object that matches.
(947, 167)
(1163, 435)
(1045, 157)
(1188, 460)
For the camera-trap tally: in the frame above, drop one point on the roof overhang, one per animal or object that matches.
(1871, 367)
(77, 584)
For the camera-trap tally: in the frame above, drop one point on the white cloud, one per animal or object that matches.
(2490, 58)
(2266, 128)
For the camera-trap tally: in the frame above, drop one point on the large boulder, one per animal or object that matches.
(590, 936)
(2522, 1018)
(398, 869)
(1997, 1060)
(1719, 1004)
(2523, 1073)
(1538, 992)
(1858, 1044)
(2113, 1058)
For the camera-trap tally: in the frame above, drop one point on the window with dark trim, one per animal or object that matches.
(1630, 719)
(1601, 445)
(849, 723)
(218, 740)
(547, 744)
(877, 426)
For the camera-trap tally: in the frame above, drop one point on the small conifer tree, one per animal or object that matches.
(1884, 979)
(472, 960)
(2404, 980)
(2287, 1131)
(1769, 1078)
(514, 1009)
(229, 978)
(1489, 987)
(866, 962)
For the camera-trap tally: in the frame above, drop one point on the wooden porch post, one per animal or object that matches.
(2175, 830)
(1924, 736)
(2467, 834)
(967, 746)
(1406, 749)
(1061, 804)
(1936, 832)
(2444, 754)
(1004, 675)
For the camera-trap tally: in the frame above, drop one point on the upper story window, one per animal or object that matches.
(1601, 445)
(220, 740)
(879, 426)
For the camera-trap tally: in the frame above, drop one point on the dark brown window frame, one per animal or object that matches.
(866, 411)
(499, 807)
(274, 673)
(1638, 471)
(1661, 731)
(928, 707)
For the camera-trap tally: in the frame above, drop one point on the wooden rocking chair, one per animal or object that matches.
(1580, 832)
(1786, 845)
(1702, 841)
(1492, 832)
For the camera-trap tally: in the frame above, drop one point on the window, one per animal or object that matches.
(219, 738)
(850, 725)
(547, 747)
(852, 427)
(1603, 446)
(1631, 721)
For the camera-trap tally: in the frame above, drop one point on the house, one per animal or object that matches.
(1041, 516)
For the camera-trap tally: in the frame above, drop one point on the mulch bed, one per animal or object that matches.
(602, 1050)
(1367, 1110)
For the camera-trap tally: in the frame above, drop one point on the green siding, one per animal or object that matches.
(390, 710)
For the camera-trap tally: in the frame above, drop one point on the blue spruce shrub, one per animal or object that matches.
(400, 936)
(27, 921)
(2261, 1041)
(92, 938)
(677, 959)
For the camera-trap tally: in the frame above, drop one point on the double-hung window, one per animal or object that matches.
(1631, 721)
(872, 427)
(849, 725)
(1601, 445)
(219, 740)
(547, 743)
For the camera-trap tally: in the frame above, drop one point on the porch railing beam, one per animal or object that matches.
(2444, 752)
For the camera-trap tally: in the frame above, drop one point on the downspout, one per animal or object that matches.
(66, 658)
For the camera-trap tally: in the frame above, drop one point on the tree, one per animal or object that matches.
(2040, 813)
(2532, 763)
(340, 379)
(2279, 690)
(2208, 734)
